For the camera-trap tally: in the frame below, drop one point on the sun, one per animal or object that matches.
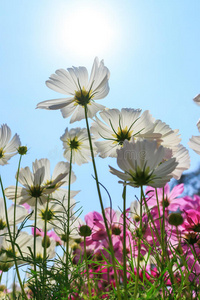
(84, 31)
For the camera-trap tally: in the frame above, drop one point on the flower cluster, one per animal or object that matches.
(156, 239)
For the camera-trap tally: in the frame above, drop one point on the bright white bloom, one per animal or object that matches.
(60, 168)
(21, 213)
(50, 249)
(37, 185)
(53, 212)
(183, 159)
(135, 210)
(197, 99)
(76, 140)
(170, 138)
(194, 144)
(75, 82)
(198, 125)
(74, 225)
(8, 146)
(119, 126)
(23, 241)
(143, 164)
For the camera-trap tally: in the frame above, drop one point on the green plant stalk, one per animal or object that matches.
(185, 264)
(15, 203)
(163, 235)
(165, 257)
(45, 251)
(161, 228)
(68, 219)
(124, 244)
(87, 270)
(157, 234)
(11, 240)
(152, 221)
(139, 247)
(1, 276)
(102, 208)
(34, 246)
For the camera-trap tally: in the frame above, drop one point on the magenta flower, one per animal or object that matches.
(171, 200)
(192, 221)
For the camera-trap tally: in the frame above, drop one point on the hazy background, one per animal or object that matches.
(150, 47)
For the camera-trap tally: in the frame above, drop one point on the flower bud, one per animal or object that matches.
(22, 150)
(175, 219)
(48, 242)
(85, 230)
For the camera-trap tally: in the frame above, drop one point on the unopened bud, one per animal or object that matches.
(48, 242)
(175, 219)
(85, 230)
(22, 150)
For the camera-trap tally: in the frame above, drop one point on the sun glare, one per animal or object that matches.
(85, 31)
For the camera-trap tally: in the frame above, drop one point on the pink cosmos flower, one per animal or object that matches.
(192, 221)
(171, 200)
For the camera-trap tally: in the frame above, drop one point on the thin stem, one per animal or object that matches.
(68, 220)
(102, 208)
(12, 243)
(14, 223)
(124, 244)
(34, 248)
(87, 270)
(139, 247)
(45, 251)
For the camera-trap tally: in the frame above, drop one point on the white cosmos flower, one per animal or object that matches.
(74, 225)
(84, 91)
(21, 213)
(8, 146)
(76, 140)
(183, 159)
(135, 210)
(170, 138)
(194, 143)
(198, 125)
(143, 164)
(119, 126)
(53, 212)
(196, 99)
(36, 185)
(23, 241)
(50, 249)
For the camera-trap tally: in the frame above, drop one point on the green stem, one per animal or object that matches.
(102, 208)
(34, 248)
(45, 251)
(163, 239)
(12, 243)
(87, 270)
(139, 247)
(124, 244)
(15, 203)
(68, 221)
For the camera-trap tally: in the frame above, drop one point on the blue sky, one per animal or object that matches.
(150, 47)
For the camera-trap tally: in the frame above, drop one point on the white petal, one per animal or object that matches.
(197, 99)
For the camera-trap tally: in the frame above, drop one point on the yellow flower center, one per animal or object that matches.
(47, 214)
(82, 97)
(35, 191)
(74, 143)
(122, 135)
(1, 153)
(2, 224)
